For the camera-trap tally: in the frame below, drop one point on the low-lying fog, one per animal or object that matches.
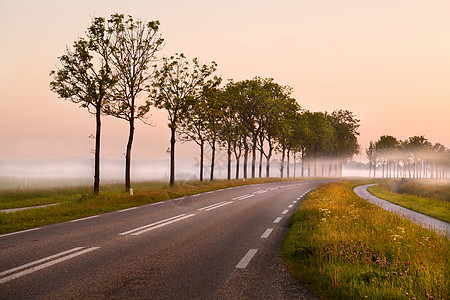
(75, 171)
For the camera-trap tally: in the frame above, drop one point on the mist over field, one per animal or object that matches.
(73, 171)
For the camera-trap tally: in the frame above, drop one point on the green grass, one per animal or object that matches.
(438, 189)
(439, 209)
(79, 202)
(343, 247)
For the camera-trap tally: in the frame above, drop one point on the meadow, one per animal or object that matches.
(429, 197)
(343, 247)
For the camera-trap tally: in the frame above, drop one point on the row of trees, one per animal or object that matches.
(414, 157)
(115, 65)
(253, 119)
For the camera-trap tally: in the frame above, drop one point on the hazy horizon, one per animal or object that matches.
(386, 61)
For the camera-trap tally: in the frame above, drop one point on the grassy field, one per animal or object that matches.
(344, 247)
(425, 198)
(79, 202)
(438, 189)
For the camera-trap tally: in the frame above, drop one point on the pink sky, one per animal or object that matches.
(386, 61)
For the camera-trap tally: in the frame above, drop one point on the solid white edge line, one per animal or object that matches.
(163, 224)
(266, 233)
(246, 259)
(127, 209)
(50, 263)
(82, 219)
(277, 220)
(217, 206)
(149, 225)
(39, 261)
(206, 207)
(18, 232)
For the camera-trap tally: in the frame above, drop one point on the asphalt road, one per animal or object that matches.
(216, 245)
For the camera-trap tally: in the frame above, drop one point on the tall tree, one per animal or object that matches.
(229, 129)
(134, 44)
(371, 155)
(384, 147)
(212, 97)
(321, 139)
(176, 87)
(346, 130)
(85, 78)
(300, 136)
(193, 128)
(273, 107)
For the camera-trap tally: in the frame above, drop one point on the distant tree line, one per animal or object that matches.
(114, 71)
(414, 157)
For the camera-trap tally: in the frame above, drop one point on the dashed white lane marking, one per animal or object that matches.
(294, 201)
(267, 233)
(285, 212)
(246, 259)
(298, 198)
(39, 261)
(153, 224)
(260, 192)
(217, 206)
(162, 224)
(18, 232)
(243, 197)
(214, 206)
(277, 220)
(290, 206)
(87, 218)
(45, 265)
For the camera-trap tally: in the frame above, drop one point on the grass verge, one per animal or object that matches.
(79, 202)
(439, 209)
(344, 247)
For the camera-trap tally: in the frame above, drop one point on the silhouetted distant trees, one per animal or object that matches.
(415, 157)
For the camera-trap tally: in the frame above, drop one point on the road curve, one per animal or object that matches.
(418, 218)
(216, 245)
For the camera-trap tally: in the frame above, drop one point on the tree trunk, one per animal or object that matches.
(282, 163)
(229, 161)
(238, 156)
(172, 156)
(128, 156)
(295, 165)
(309, 166)
(288, 163)
(245, 158)
(330, 168)
(303, 163)
(260, 162)
(254, 159)
(269, 156)
(97, 151)
(213, 156)
(202, 144)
